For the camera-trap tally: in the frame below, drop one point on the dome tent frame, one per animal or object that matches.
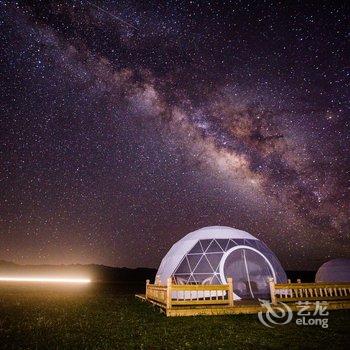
(200, 258)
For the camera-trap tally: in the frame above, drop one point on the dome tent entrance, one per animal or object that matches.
(211, 254)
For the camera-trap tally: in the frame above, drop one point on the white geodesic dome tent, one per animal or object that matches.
(336, 270)
(212, 254)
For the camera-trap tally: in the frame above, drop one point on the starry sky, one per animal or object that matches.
(127, 124)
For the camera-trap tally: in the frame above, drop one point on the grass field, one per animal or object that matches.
(109, 317)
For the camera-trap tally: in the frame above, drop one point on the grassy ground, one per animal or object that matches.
(110, 317)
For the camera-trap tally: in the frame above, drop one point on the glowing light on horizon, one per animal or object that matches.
(44, 279)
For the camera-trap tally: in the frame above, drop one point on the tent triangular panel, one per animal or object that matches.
(184, 267)
(205, 243)
(193, 260)
(197, 248)
(203, 266)
(214, 247)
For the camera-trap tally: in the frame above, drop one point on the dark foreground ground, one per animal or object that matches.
(109, 317)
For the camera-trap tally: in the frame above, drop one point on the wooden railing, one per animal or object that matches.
(157, 293)
(174, 295)
(289, 292)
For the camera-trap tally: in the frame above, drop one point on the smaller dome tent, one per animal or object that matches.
(336, 270)
(211, 254)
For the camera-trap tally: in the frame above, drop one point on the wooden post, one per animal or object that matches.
(299, 292)
(289, 291)
(230, 291)
(168, 294)
(272, 290)
(147, 283)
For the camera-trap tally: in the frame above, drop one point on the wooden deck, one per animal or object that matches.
(240, 307)
(191, 300)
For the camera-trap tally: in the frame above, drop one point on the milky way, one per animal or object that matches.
(127, 125)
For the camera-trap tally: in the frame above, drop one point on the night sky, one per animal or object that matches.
(126, 125)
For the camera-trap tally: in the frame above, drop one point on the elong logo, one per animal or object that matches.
(281, 314)
(274, 315)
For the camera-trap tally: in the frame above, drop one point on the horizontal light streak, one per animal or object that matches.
(44, 279)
